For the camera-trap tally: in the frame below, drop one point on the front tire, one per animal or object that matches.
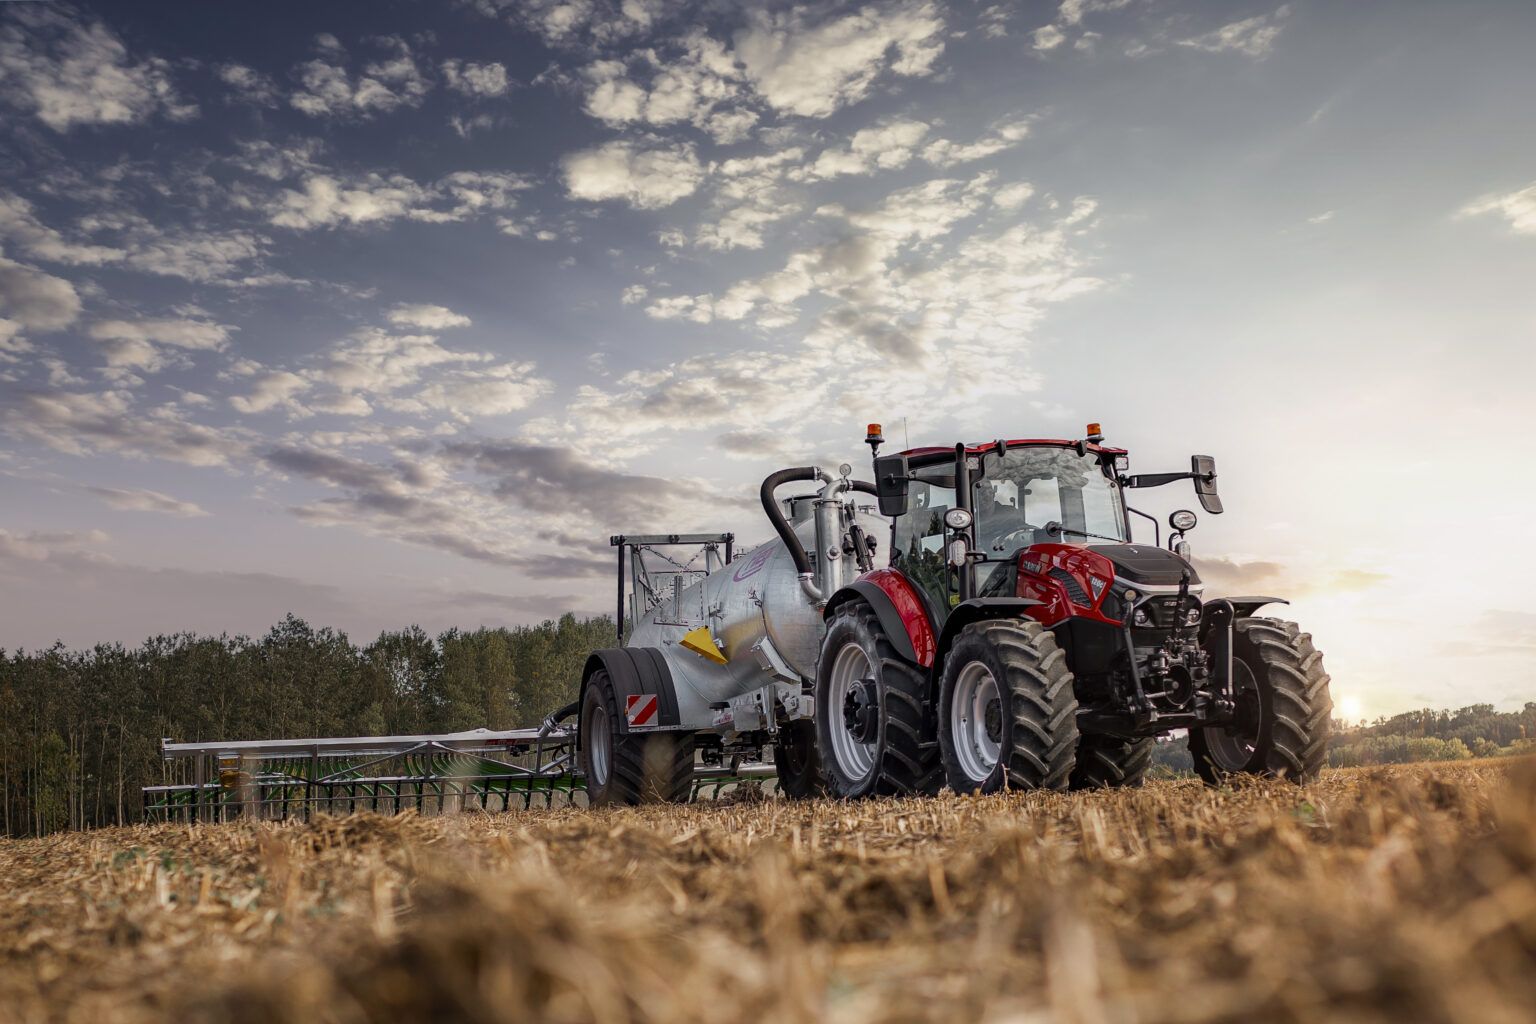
(796, 761)
(629, 768)
(1282, 708)
(1113, 762)
(1007, 712)
(870, 711)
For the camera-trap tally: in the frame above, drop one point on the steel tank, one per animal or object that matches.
(765, 615)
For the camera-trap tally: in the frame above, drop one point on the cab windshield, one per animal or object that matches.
(1019, 494)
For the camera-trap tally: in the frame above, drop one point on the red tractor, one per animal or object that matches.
(1019, 638)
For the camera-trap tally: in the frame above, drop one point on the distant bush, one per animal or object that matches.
(1397, 750)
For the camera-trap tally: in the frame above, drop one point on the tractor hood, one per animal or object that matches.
(1146, 565)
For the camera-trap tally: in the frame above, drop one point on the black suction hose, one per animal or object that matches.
(776, 517)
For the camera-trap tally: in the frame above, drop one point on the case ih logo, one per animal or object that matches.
(755, 563)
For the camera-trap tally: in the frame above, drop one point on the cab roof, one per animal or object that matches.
(1032, 442)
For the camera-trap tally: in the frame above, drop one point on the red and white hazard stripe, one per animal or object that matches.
(641, 709)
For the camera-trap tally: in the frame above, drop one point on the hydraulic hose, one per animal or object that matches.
(782, 528)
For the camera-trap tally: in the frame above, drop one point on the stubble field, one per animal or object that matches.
(1373, 895)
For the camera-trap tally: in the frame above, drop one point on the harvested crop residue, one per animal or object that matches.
(1381, 895)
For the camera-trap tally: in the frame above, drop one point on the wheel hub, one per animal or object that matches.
(861, 711)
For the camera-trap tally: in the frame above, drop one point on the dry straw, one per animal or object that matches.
(1385, 895)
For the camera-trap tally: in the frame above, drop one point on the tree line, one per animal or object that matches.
(1478, 730)
(80, 731)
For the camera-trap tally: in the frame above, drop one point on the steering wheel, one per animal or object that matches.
(1013, 540)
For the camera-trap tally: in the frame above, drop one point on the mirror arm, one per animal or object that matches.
(1156, 479)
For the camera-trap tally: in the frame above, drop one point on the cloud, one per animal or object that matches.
(248, 85)
(1252, 37)
(647, 175)
(694, 79)
(576, 23)
(1517, 207)
(19, 223)
(426, 316)
(69, 73)
(1048, 37)
(78, 423)
(326, 200)
(886, 146)
(1011, 197)
(811, 70)
(1228, 576)
(133, 344)
(193, 334)
(495, 391)
(374, 361)
(66, 587)
(329, 90)
(203, 256)
(139, 500)
(748, 197)
(271, 389)
(474, 79)
(43, 545)
(33, 300)
(944, 153)
(895, 291)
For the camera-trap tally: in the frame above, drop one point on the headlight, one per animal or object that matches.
(1192, 617)
(957, 519)
(1141, 618)
(1182, 520)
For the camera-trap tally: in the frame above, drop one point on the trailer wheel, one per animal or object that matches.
(795, 759)
(1282, 708)
(623, 768)
(1007, 712)
(870, 709)
(1111, 761)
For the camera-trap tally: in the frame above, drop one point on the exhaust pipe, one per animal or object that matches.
(803, 571)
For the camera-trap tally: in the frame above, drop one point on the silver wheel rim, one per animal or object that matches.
(599, 743)
(1229, 750)
(976, 694)
(851, 667)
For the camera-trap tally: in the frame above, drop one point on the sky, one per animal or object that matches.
(395, 312)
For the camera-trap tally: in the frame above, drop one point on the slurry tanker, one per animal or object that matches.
(976, 616)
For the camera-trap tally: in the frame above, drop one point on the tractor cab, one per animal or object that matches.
(961, 543)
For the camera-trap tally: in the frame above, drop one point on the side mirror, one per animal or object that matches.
(1203, 468)
(891, 484)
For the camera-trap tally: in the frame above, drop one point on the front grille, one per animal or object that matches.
(1163, 611)
(1075, 591)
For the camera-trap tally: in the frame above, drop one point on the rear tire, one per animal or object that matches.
(871, 707)
(629, 769)
(1286, 708)
(1007, 712)
(1111, 761)
(796, 760)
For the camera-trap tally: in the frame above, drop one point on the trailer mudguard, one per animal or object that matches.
(900, 610)
(1246, 606)
(635, 671)
(976, 609)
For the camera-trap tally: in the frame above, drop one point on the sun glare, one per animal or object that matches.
(1348, 709)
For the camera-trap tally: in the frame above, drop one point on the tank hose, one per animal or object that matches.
(781, 525)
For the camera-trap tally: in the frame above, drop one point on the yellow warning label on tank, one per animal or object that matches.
(701, 642)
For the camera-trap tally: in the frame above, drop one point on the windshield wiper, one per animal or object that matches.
(1054, 528)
